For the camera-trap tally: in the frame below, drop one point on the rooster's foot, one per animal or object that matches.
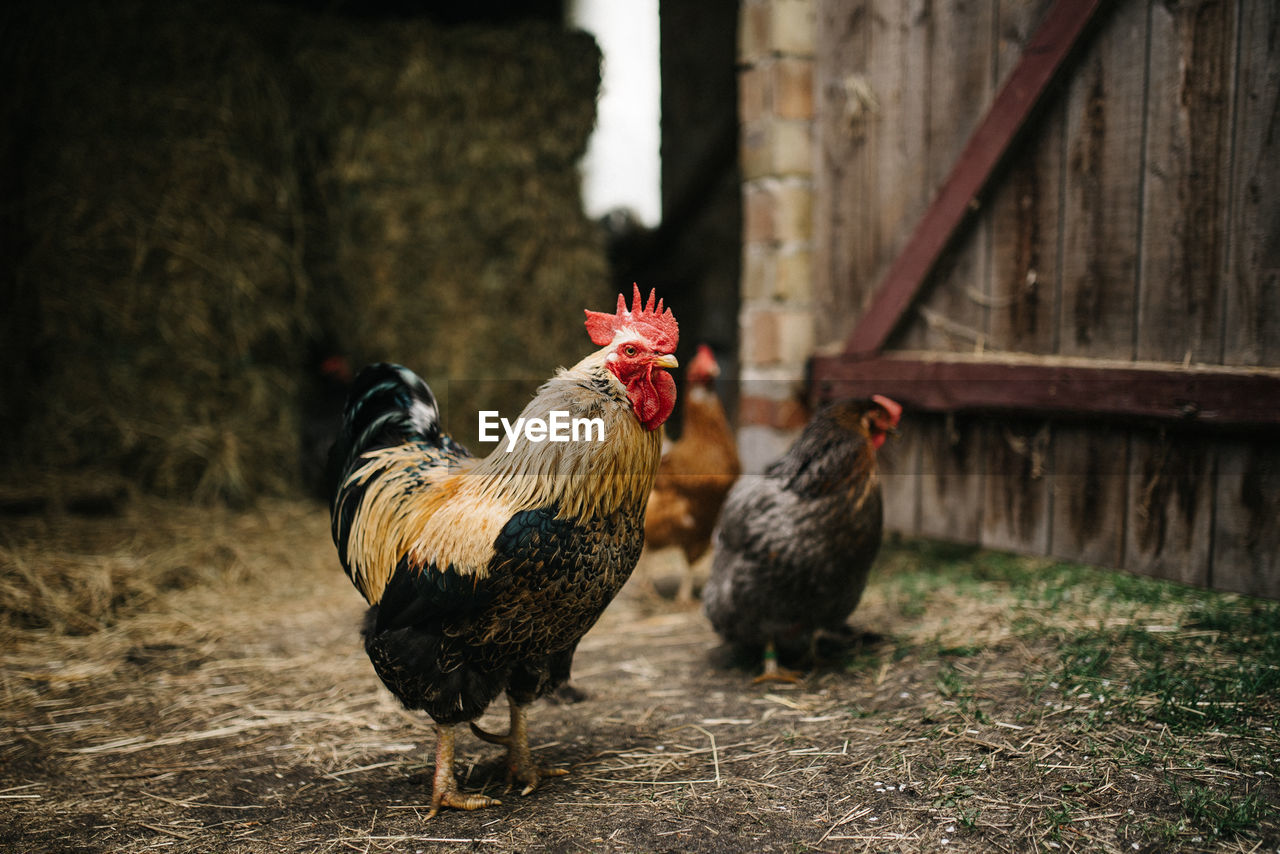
(458, 801)
(531, 775)
(444, 786)
(520, 765)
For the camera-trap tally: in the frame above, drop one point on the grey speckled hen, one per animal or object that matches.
(793, 545)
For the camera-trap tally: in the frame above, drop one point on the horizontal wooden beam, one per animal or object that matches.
(1204, 395)
(1044, 54)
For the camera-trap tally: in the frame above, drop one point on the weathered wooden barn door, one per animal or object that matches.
(1085, 322)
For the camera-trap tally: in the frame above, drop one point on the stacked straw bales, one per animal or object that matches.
(204, 196)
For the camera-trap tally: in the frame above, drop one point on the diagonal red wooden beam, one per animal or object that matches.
(1043, 56)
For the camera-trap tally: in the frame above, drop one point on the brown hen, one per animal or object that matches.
(695, 474)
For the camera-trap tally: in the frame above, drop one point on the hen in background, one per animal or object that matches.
(793, 546)
(695, 475)
(323, 401)
(483, 575)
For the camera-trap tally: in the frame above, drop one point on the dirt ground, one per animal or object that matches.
(240, 714)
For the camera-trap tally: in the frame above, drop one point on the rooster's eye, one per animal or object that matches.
(629, 350)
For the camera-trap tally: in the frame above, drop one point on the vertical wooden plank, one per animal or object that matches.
(870, 182)
(1246, 538)
(1253, 279)
(1016, 507)
(1024, 211)
(1101, 226)
(1184, 201)
(1016, 21)
(1023, 222)
(1024, 240)
(1102, 205)
(951, 313)
(899, 462)
(896, 71)
(897, 68)
(951, 478)
(842, 175)
(1170, 500)
(962, 53)
(949, 67)
(1089, 483)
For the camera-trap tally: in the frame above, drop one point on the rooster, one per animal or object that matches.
(482, 575)
(695, 474)
(793, 546)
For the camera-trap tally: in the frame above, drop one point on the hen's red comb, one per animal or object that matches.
(704, 366)
(888, 405)
(658, 327)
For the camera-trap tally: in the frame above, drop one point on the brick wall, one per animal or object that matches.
(775, 52)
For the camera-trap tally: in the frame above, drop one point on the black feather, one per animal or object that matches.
(420, 596)
(388, 405)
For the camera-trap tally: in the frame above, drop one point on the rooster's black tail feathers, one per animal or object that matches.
(388, 405)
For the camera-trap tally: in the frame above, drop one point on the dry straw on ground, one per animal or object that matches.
(240, 714)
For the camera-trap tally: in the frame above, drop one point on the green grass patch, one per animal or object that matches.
(1129, 647)
(1219, 669)
(1218, 811)
(1167, 693)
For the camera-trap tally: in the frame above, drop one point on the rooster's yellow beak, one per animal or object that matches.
(666, 361)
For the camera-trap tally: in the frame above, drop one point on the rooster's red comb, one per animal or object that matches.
(658, 327)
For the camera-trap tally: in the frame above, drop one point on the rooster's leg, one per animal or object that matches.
(773, 672)
(520, 765)
(444, 786)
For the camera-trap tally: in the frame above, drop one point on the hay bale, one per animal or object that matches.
(165, 273)
(453, 188)
(205, 191)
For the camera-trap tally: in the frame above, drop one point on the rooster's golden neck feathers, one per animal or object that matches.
(451, 516)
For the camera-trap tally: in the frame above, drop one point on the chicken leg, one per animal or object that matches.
(684, 593)
(774, 672)
(520, 765)
(444, 786)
